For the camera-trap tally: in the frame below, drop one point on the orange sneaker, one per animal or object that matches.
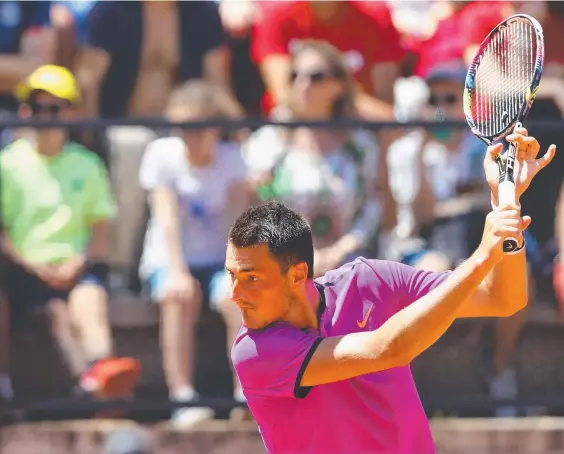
(111, 378)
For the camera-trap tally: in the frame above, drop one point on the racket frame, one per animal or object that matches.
(506, 188)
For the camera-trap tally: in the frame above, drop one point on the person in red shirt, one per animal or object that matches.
(364, 33)
(458, 35)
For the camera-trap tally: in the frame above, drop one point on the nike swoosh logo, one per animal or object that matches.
(362, 324)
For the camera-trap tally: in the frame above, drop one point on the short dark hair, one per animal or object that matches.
(286, 233)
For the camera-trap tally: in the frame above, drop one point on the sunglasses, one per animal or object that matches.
(50, 109)
(313, 77)
(444, 100)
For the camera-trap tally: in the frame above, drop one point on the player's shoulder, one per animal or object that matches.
(360, 267)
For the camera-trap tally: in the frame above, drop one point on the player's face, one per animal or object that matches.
(258, 285)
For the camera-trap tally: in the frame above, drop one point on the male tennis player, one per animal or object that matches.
(324, 363)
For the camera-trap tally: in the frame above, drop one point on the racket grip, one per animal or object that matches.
(506, 196)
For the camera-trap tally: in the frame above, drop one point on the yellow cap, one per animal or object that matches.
(55, 80)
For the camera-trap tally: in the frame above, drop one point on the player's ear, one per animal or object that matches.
(298, 274)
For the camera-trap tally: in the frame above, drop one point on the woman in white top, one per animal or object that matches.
(196, 187)
(329, 175)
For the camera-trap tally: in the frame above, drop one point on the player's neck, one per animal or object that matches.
(304, 312)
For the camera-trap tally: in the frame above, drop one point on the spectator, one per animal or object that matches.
(26, 43)
(430, 168)
(56, 204)
(438, 181)
(346, 25)
(464, 26)
(197, 187)
(316, 170)
(68, 19)
(137, 51)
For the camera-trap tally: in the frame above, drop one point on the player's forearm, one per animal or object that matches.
(403, 336)
(507, 285)
(418, 326)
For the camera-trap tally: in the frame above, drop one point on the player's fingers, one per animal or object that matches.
(493, 151)
(548, 156)
(526, 222)
(530, 147)
(504, 231)
(523, 131)
(516, 138)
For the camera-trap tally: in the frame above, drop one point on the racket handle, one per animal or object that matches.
(506, 196)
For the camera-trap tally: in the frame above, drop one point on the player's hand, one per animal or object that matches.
(182, 286)
(502, 223)
(526, 164)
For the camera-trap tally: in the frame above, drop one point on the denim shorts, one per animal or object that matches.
(213, 280)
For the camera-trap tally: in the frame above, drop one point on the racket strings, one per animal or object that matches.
(503, 77)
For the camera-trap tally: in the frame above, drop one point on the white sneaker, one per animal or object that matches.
(504, 386)
(184, 417)
(190, 416)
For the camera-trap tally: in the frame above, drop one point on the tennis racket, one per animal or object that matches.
(501, 85)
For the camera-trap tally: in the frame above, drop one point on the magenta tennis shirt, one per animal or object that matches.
(376, 413)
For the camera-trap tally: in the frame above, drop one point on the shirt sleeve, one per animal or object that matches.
(404, 283)
(269, 35)
(101, 204)
(155, 170)
(271, 362)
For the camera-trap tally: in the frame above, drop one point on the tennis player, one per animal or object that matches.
(324, 363)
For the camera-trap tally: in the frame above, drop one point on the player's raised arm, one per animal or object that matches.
(416, 327)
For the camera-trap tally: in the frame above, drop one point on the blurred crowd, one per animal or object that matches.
(79, 204)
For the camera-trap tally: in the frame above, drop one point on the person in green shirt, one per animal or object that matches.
(56, 208)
